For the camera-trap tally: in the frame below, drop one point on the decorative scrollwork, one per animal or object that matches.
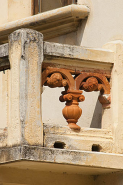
(95, 82)
(71, 95)
(91, 84)
(56, 80)
(60, 77)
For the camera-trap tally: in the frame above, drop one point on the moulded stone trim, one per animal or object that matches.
(51, 23)
(103, 162)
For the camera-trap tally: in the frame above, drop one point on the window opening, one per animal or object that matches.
(45, 5)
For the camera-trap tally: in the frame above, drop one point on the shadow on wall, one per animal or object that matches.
(96, 120)
(80, 32)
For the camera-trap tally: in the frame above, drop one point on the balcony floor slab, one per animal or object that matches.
(69, 161)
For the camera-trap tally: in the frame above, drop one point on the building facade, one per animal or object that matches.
(61, 92)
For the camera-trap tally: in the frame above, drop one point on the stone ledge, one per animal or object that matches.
(78, 58)
(84, 132)
(102, 161)
(78, 52)
(51, 23)
(72, 57)
(83, 140)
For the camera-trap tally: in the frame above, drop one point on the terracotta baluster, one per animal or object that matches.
(72, 111)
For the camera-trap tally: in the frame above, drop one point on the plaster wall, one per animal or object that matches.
(104, 24)
(4, 11)
(11, 10)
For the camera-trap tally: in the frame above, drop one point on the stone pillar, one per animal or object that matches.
(107, 116)
(117, 95)
(26, 56)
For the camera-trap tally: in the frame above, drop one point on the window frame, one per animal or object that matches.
(37, 5)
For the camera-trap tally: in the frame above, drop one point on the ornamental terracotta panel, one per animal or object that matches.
(74, 84)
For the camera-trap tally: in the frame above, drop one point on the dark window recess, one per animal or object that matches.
(45, 5)
(35, 7)
(59, 144)
(68, 2)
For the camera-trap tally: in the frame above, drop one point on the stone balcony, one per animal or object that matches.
(31, 63)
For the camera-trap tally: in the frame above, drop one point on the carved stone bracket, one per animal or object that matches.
(74, 83)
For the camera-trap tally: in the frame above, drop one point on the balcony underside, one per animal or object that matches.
(60, 160)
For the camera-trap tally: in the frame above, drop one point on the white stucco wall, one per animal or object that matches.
(104, 24)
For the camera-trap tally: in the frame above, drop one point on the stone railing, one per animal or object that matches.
(28, 63)
(72, 67)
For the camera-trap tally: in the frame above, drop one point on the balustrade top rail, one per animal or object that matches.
(67, 52)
